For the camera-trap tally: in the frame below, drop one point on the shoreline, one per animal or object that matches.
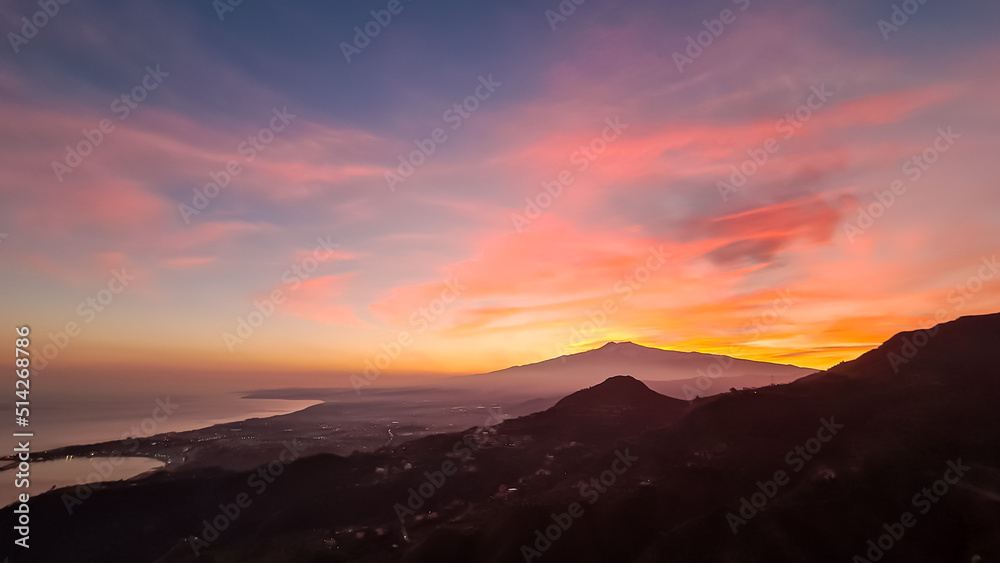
(146, 446)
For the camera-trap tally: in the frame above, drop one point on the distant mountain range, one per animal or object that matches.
(667, 371)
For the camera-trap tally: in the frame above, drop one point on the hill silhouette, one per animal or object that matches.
(962, 348)
(618, 392)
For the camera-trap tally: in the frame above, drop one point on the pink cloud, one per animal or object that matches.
(184, 262)
(321, 300)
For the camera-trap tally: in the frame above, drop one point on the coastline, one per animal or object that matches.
(85, 459)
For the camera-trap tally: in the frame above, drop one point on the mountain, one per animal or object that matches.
(615, 409)
(618, 393)
(571, 372)
(958, 349)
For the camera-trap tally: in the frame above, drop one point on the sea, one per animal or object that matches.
(76, 420)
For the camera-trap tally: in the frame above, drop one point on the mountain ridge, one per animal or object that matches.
(571, 372)
(958, 347)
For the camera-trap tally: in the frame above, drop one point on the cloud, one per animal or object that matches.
(653, 187)
(320, 300)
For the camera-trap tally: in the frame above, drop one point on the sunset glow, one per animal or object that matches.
(764, 207)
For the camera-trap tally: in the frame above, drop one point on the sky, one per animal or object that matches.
(310, 189)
